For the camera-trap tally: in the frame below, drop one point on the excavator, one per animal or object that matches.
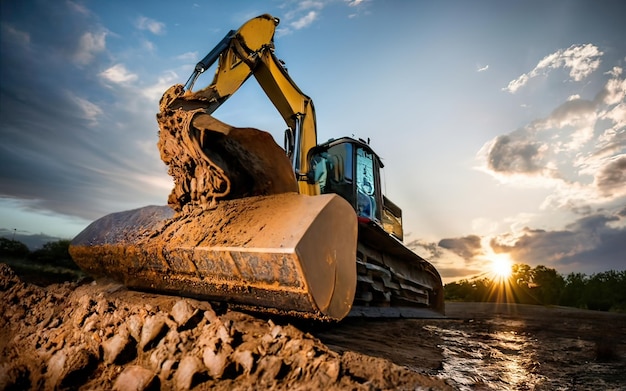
(302, 230)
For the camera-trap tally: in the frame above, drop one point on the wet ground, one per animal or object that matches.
(486, 346)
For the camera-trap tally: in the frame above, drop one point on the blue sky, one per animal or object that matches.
(502, 125)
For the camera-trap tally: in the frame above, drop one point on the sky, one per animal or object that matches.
(502, 125)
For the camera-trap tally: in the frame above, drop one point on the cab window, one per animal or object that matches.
(366, 205)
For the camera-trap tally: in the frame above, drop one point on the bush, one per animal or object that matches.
(13, 248)
(54, 253)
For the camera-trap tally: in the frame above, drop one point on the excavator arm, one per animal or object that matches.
(247, 52)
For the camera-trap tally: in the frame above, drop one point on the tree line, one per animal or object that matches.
(542, 285)
(52, 253)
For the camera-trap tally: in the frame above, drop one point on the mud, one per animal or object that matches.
(210, 160)
(103, 336)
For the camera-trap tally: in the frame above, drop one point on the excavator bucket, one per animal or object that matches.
(289, 252)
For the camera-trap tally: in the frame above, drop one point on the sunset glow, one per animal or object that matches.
(501, 266)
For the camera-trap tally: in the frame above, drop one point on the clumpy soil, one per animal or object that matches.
(99, 335)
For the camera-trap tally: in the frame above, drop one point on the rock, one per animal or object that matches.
(70, 367)
(182, 311)
(115, 345)
(216, 360)
(331, 368)
(210, 315)
(188, 367)
(56, 365)
(135, 324)
(166, 368)
(268, 368)
(151, 329)
(159, 355)
(244, 359)
(136, 378)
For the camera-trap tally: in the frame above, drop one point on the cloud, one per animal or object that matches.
(575, 151)
(118, 74)
(581, 60)
(466, 247)
(610, 179)
(516, 153)
(299, 15)
(304, 21)
(89, 110)
(188, 56)
(89, 44)
(593, 242)
(155, 27)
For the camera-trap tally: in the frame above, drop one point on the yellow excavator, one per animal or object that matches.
(302, 230)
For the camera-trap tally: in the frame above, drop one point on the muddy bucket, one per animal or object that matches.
(289, 252)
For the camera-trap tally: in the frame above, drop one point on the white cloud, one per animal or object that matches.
(155, 91)
(189, 56)
(90, 111)
(304, 21)
(89, 45)
(615, 89)
(155, 27)
(118, 74)
(581, 61)
(516, 84)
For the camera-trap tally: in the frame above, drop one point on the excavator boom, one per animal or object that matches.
(250, 223)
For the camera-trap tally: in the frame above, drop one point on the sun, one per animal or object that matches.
(501, 266)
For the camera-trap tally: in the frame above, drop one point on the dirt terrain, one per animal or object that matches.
(102, 336)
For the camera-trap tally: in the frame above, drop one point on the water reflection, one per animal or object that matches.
(498, 360)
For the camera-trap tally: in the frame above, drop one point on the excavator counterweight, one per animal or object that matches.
(303, 230)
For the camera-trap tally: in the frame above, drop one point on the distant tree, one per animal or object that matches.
(573, 290)
(548, 285)
(54, 253)
(605, 290)
(13, 248)
(466, 290)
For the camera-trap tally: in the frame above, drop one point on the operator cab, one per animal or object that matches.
(351, 169)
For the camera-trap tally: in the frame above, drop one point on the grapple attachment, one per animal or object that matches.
(290, 252)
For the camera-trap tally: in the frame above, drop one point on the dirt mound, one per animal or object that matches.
(103, 336)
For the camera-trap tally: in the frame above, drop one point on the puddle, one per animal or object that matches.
(501, 360)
